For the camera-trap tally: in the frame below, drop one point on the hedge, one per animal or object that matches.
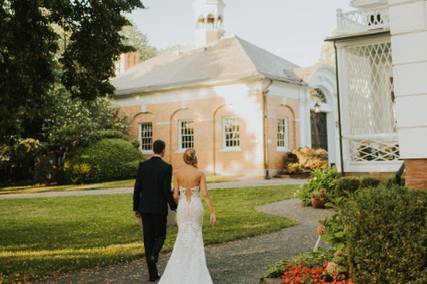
(386, 235)
(105, 160)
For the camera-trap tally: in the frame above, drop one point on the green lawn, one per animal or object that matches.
(44, 236)
(73, 187)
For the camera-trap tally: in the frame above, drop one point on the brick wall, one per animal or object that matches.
(211, 154)
(416, 173)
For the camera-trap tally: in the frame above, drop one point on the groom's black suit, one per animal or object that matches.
(151, 195)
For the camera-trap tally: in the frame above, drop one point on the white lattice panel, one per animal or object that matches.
(369, 102)
(373, 150)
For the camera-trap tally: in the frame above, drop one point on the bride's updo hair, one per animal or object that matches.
(190, 157)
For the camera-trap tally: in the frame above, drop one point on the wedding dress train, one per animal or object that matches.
(187, 264)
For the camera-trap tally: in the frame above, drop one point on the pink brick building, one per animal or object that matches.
(240, 106)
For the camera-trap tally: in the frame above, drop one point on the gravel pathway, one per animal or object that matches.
(236, 262)
(239, 183)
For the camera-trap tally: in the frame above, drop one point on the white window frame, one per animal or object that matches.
(146, 151)
(180, 136)
(285, 128)
(224, 135)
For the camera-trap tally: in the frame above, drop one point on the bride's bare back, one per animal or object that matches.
(189, 177)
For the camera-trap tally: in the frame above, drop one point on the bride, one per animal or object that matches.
(187, 264)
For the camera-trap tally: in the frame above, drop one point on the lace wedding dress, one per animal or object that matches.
(187, 264)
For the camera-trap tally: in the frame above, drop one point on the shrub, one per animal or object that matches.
(45, 169)
(346, 186)
(369, 182)
(386, 235)
(135, 143)
(110, 134)
(304, 160)
(320, 180)
(394, 180)
(17, 160)
(107, 159)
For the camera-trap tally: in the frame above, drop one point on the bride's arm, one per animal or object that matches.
(175, 189)
(205, 194)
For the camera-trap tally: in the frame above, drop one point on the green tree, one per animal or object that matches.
(95, 43)
(27, 48)
(74, 122)
(135, 38)
(31, 61)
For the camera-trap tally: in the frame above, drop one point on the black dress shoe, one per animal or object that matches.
(154, 279)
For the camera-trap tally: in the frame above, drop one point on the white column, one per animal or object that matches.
(304, 118)
(408, 21)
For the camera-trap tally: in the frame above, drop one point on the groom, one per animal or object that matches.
(151, 195)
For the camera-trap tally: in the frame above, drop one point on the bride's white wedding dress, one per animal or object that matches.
(187, 264)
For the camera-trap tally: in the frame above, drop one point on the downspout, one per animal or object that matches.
(339, 109)
(265, 128)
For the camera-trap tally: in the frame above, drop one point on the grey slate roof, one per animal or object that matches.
(228, 59)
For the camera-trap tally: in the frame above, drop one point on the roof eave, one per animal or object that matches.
(358, 35)
(190, 84)
(284, 80)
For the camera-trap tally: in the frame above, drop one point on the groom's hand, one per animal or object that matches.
(137, 214)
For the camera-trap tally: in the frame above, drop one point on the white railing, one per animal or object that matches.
(374, 148)
(362, 20)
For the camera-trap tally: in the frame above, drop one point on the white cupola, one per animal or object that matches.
(208, 21)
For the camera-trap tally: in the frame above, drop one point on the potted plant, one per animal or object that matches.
(318, 198)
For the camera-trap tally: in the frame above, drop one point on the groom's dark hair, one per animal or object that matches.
(159, 146)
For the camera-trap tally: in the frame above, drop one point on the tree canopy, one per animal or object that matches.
(31, 60)
(136, 39)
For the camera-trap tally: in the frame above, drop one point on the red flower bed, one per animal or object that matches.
(301, 274)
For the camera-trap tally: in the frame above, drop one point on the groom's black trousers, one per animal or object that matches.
(154, 230)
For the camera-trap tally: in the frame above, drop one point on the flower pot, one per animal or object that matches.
(318, 202)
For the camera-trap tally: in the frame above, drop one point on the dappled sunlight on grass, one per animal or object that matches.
(49, 235)
(69, 187)
(39, 188)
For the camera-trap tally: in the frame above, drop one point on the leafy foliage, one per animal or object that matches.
(311, 267)
(321, 180)
(310, 259)
(334, 231)
(134, 38)
(105, 160)
(27, 49)
(94, 44)
(74, 122)
(304, 160)
(346, 186)
(326, 273)
(32, 61)
(369, 182)
(386, 235)
(19, 158)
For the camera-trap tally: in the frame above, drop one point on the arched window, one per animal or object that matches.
(317, 95)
